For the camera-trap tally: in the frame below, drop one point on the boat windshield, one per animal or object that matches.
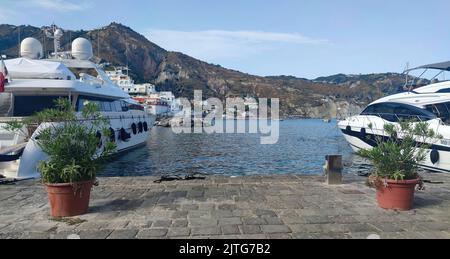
(424, 75)
(89, 71)
(396, 112)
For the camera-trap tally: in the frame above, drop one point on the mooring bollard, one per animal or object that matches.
(333, 169)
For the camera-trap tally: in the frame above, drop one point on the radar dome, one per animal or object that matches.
(31, 48)
(82, 49)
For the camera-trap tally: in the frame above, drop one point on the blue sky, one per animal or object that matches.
(305, 38)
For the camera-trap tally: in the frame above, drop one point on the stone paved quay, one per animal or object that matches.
(256, 207)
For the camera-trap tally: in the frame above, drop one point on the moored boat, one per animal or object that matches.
(429, 104)
(33, 84)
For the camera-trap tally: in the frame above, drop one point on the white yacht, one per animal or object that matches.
(33, 84)
(429, 103)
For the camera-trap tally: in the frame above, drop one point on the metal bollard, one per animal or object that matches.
(333, 170)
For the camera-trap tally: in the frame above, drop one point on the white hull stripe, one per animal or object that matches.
(421, 165)
(370, 139)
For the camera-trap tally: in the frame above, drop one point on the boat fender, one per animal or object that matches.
(134, 128)
(140, 127)
(394, 136)
(2, 82)
(434, 156)
(99, 137)
(363, 133)
(348, 129)
(145, 126)
(124, 135)
(112, 136)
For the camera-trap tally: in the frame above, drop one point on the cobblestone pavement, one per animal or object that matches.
(257, 207)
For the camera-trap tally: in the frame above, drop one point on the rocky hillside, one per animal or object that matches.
(182, 74)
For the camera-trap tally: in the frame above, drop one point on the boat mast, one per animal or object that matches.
(407, 77)
(18, 41)
(56, 34)
(98, 44)
(126, 54)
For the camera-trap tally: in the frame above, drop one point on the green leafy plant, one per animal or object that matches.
(399, 152)
(71, 141)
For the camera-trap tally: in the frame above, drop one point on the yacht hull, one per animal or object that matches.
(352, 131)
(26, 166)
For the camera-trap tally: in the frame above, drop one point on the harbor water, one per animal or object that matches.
(301, 149)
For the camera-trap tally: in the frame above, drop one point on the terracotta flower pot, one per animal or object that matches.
(69, 200)
(398, 195)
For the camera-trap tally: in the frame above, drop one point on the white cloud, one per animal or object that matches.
(6, 14)
(20, 10)
(61, 5)
(212, 45)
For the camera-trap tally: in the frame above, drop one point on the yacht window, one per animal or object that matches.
(409, 112)
(406, 113)
(82, 102)
(125, 107)
(135, 107)
(105, 105)
(395, 111)
(369, 110)
(25, 106)
(433, 109)
(383, 110)
(117, 106)
(445, 90)
(441, 110)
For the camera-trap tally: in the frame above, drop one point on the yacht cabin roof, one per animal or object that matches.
(445, 66)
(23, 68)
(43, 77)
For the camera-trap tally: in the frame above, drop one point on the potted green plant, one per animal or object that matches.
(77, 145)
(396, 158)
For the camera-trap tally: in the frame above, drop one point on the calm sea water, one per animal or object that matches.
(301, 149)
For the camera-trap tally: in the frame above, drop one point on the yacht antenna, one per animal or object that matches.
(407, 77)
(18, 40)
(56, 34)
(98, 44)
(126, 52)
(44, 37)
(70, 40)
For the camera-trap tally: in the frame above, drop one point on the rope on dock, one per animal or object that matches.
(6, 181)
(432, 182)
(187, 177)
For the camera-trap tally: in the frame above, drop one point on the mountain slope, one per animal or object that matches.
(182, 74)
